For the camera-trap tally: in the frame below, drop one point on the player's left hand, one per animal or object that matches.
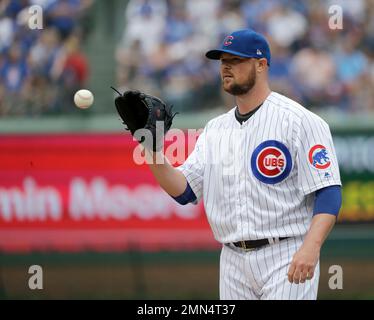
(303, 264)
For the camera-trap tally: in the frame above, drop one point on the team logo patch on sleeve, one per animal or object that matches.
(271, 162)
(318, 157)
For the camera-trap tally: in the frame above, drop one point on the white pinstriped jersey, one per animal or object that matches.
(258, 179)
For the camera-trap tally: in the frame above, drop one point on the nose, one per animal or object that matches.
(225, 66)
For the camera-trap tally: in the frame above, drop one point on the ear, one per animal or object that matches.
(262, 65)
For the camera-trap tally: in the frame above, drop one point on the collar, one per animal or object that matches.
(244, 117)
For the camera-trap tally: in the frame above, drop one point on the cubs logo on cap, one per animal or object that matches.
(318, 157)
(228, 41)
(271, 162)
(243, 43)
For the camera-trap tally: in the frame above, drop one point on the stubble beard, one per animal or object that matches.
(237, 89)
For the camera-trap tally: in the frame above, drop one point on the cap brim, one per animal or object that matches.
(216, 54)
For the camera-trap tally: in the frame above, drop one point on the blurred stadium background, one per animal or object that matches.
(70, 194)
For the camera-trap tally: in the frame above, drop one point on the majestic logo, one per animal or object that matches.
(318, 157)
(228, 41)
(271, 162)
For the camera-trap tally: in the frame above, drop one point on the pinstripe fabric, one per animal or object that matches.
(239, 204)
(262, 274)
(234, 281)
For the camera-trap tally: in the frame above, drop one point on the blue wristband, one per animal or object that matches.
(187, 197)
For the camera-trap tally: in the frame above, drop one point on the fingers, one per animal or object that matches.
(306, 274)
(303, 276)
(291, 272)
(310, 274)
(296, 276)
(299, 273)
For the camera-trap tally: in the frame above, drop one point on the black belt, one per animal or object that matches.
(254, 244)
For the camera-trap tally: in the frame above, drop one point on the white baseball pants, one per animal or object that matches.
(261, 274)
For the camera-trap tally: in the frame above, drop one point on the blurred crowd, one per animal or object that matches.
(164, 42)
(162, 49)
(41, 69)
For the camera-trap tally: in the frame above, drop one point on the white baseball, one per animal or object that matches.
(83, 99)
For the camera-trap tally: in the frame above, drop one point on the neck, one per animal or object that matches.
(252, 99)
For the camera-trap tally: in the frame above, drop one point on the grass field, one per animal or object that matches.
(174, 275)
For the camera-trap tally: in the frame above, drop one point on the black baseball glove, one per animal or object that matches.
(147, 118)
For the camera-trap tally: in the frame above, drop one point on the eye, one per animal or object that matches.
(232, 60)
(236, 60)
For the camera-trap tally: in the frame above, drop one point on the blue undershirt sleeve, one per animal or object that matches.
(328, 200)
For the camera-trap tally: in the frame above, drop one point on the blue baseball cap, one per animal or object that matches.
(244, 43)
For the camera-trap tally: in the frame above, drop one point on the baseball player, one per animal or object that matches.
(269, 177)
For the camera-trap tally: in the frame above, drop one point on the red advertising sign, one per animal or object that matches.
(75, 192)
